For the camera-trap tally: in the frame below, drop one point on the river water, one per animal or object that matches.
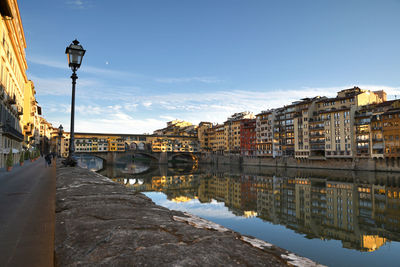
(337, 218)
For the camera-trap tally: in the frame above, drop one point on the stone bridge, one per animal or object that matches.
(110, 157)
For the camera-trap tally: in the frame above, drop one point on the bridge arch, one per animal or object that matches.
(186, 155)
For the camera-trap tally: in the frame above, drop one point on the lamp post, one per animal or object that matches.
(75, 53)
(60, 134)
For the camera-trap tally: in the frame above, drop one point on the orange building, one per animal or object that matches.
(391, 132)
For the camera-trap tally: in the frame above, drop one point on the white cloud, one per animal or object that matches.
(118, 123)
(84, 68)
(79, 4)
(61, 86)
(205, 210)
(140, 114)
(147, 104)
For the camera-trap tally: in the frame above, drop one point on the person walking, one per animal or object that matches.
(48, 159)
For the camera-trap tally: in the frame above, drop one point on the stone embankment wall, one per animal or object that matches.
(102, 223)
(388, 164)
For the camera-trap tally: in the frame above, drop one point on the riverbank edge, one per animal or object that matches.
(353, 164)
(101, 223)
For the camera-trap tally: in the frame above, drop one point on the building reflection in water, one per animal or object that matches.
(362, 210)
(362, 216)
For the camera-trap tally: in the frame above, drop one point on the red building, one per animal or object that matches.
(248, 137)
(248, 193)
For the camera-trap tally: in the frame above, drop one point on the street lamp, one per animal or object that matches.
(60, 134)
(75, 53)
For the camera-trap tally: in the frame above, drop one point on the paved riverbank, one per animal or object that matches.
(27, 203)
(102, 223)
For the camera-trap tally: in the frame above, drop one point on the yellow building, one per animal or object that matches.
(219, 142)
(202, 133)
(63, 145)
(120, 145)
(12, 80)
(95, 145)
(112, 143)
(265, 133)
(232, 131)
(30, 110)
(324, 127)
(178, 128)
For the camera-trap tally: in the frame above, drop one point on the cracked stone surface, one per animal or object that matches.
(102, 223)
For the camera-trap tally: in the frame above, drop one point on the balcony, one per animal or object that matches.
(20, 110)
(12, 133)
(28, 129)
(318, 147)
(316, 134)
(2, 92)
(11, 100)
(318, 141)
(376, 128)
(315, 120)
(316, 127)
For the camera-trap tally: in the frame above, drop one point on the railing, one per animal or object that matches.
(316, 134)
(13, 133)
(318, 147)
(319, 141)
(315, 120)
(317, 127)
(11, 100)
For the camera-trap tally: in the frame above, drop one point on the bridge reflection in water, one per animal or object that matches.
(360, 209)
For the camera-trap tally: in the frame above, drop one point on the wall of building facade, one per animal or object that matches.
(356, 123)
(12, 82)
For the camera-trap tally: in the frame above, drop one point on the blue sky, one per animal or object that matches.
(148, 62)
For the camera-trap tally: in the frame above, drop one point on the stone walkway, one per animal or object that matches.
(27, 203)
(102, 223)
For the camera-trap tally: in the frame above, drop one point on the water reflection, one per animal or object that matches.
(361, 210)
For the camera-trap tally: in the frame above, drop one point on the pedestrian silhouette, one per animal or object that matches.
(48, 159)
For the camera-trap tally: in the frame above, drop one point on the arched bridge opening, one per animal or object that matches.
(183, 158)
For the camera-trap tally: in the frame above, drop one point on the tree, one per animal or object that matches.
(22, 158)
(27, 155)
(10, 160)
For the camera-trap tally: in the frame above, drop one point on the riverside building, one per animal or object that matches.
(248, 137)
(265, 142)
(391, 131)
(12, 80)
(232, 131)
(203, 135)
(324, 127)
